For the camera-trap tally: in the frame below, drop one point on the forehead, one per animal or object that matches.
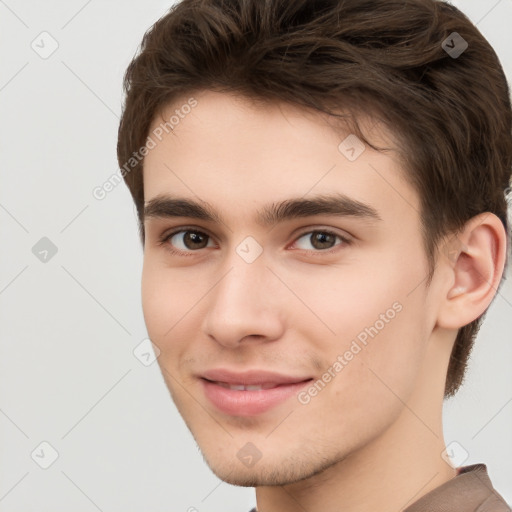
(209, 112)
(230, 150)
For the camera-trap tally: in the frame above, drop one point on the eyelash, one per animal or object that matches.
(163, 241)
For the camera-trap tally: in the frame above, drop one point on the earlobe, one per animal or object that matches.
(475, 267)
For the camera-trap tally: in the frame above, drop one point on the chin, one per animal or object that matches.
(267, 473)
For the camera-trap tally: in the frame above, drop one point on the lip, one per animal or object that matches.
(234, 402)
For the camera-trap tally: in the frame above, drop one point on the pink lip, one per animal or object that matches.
(246, 402)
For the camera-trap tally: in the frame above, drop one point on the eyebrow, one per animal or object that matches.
(164, 206)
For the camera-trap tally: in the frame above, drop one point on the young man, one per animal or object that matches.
(321, 188)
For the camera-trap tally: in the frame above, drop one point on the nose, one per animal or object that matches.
(244, 306)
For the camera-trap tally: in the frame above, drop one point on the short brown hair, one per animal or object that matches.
(451, 113)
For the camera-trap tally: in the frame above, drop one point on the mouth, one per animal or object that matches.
(248, 387)
(249, 393)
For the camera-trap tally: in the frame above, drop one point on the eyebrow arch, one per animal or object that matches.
(164, 206)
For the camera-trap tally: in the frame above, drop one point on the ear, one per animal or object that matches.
(473, 264)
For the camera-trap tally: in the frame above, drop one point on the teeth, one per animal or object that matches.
(239, 387)
(236, 387)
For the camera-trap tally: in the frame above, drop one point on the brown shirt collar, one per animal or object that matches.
(470, 491)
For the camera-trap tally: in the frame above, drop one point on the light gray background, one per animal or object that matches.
(69, 326)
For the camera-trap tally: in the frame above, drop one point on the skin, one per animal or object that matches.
(377, 425)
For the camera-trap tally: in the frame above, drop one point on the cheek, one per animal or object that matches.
(350, 298)
(157, 304)
(377, 327)
(376, 366)
(168, 297)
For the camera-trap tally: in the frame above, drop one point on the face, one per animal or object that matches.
(284, 285)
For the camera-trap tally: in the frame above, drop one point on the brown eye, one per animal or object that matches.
(187, 240)
(319, 240)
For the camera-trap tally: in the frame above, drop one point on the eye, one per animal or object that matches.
(319, 240)
(187, 240)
